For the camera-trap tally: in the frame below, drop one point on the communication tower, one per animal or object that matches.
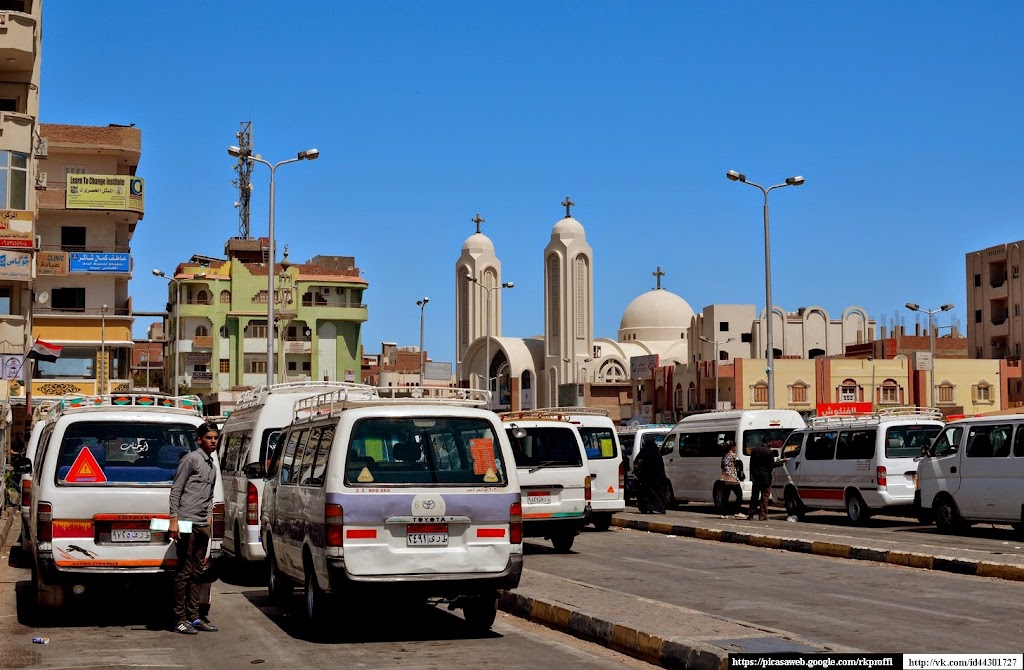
(243, 182)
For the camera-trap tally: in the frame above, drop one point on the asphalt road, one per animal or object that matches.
(870, 606)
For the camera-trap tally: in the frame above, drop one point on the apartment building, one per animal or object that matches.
(995, 293)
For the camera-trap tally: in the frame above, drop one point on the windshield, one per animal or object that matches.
(908, 441)
(122, 453)
(548, 446)
(424, 450)
(598, 443)
(770, 437)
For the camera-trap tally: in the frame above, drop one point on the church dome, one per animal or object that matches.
(657, 315)
(568, 225)
(478, 243)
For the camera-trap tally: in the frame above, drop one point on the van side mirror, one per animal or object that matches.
(22, 465)
(667, 447)
(254, 470)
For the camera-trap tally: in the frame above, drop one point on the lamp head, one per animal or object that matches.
(704, 339)
(567, 360)
(234, 151)
(913, 306)
(469, 277)
(158, 273)
(947, 307)
(509, 284)
(795, 181)
(309, 154)
(732, 175)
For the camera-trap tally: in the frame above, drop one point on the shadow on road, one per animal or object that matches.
(135, 607)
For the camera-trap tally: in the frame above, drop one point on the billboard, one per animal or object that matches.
(15, 264)
(843, 408)
(439, 372)
(89, 261)
(53, 263)
(16, 229)
(91, 191)
(643, 367)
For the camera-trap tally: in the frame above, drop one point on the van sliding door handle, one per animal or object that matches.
(952, 469)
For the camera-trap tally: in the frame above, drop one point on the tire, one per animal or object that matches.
(794, 506)
(1019, 529)
(947, 516)
(718, 497)
(672, 502)
(856, 510)
(314, 600)
(563, 541)
(480, 612)
(602, 521)
(278, 586)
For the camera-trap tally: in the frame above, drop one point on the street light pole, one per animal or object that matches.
(872, 359)
(177, 318)
(103, 350)
(487, 347)
(717, 343)
(732, 175)
(423, 359)
(309, 154)
(914, 307)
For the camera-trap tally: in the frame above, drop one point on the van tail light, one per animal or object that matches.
(334, 525)
(622, 475)
(217, 526)
(587, 494)
(252, 505)
(880, 475)
(515, 523)
(26, 492)
(44, 522)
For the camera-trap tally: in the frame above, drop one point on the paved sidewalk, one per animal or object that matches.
(809, 538)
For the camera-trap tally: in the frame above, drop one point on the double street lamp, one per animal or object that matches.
(576, 376)
(177, 318)
(487, 349)
(732, 175)
(914, 307)
(423, 359)
(309, 155)
(717, 344)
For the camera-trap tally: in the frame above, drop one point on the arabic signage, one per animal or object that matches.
(642, 367)
(91, 191)
(438, 372)
(11, 365)
(197, 359)
(88, 261)
(54, 263)
(15, 265)
(15, 229)
(843, 408)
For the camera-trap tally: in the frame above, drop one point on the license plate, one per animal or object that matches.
(130, 536)
(427, 540)
(538, 500)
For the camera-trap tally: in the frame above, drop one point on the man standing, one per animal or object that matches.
(762, 463)
(191, 503)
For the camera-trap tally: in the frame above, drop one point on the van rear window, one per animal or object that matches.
(554, 447)
(908, 441)
(424, 451)
(598, 443)
(116, 453)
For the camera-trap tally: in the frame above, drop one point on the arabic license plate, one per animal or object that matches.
(130, 536)
(538, 500)
(427, 540)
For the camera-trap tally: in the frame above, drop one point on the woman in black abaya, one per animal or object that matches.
(650, 473)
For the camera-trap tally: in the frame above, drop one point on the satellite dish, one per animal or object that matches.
(43, 297)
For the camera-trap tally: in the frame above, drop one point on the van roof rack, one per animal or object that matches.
(258, 395)
(655, 426)
(76, 402)
(534, 415)
(879, 416)
(593, 411)
(329, 405)
(40, 411)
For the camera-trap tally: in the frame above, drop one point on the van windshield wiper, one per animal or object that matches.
(542, 465)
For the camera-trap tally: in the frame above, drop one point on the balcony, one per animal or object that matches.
(997, 279)
(12, 328)
(18, 48)
(16, 131)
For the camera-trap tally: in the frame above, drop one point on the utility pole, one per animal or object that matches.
(243, 182)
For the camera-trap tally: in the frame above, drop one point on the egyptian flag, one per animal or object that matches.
(44, 351)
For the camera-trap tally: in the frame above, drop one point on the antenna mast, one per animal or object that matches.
(243, 182)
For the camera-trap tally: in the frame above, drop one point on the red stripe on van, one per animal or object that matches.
(360, 534)
(490, 532)
(73, 528)
(822, 494)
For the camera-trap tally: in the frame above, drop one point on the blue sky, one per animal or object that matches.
(905, 118)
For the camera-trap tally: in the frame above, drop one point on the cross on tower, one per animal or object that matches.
(478, 220)
(658, 274)
(567, 203)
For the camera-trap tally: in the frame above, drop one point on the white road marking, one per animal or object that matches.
(667, 565)
(874, 602)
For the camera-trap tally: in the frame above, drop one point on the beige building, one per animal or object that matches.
(995, 293)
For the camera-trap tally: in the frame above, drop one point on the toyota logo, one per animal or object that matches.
(429, 504)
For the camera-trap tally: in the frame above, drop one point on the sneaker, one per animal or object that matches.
(185, 629)
(723, 516)
(205, 626)
(740, 515)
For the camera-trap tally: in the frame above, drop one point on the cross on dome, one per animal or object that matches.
(478, 220)
(568, 203)
(658, 274)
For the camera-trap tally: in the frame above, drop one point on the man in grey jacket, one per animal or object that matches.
(191, 504)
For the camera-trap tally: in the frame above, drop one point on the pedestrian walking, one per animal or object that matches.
(190, 508)
(762, 465)
(653, 484)
(730, 481)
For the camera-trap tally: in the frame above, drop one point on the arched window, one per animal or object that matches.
(225, 296)
(946, 393)
(611, 372)
(202, 331)
(678, 396)
(759, 393)
(798, 393)
(848, 391)
(202, 297)
(691, 396)
(890, 393)
(554, 297)
(815, 353)
(224, 332)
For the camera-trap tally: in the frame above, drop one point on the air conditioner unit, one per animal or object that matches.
(325, 290)
(42, 147)
(40, 179)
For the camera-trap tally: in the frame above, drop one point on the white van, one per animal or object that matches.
(38, 414)
(861, 464)
(601, 446)
(247, 440)
(394, 499)
(555, 477)
(631, 440)
(101, 474)
(693, 449)
(974, 471)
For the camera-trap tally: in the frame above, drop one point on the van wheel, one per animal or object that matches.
(856, 509)
(563, 541)
(278, 586)
(947, 516)
(602, 521)
(718, 497)
(671, 501)
(48, 597)
(480, 612)
(1019, 527)
(315, 600)
(794, 506)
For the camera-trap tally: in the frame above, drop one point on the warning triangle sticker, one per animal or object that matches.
(611, 489)
(85, 469)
